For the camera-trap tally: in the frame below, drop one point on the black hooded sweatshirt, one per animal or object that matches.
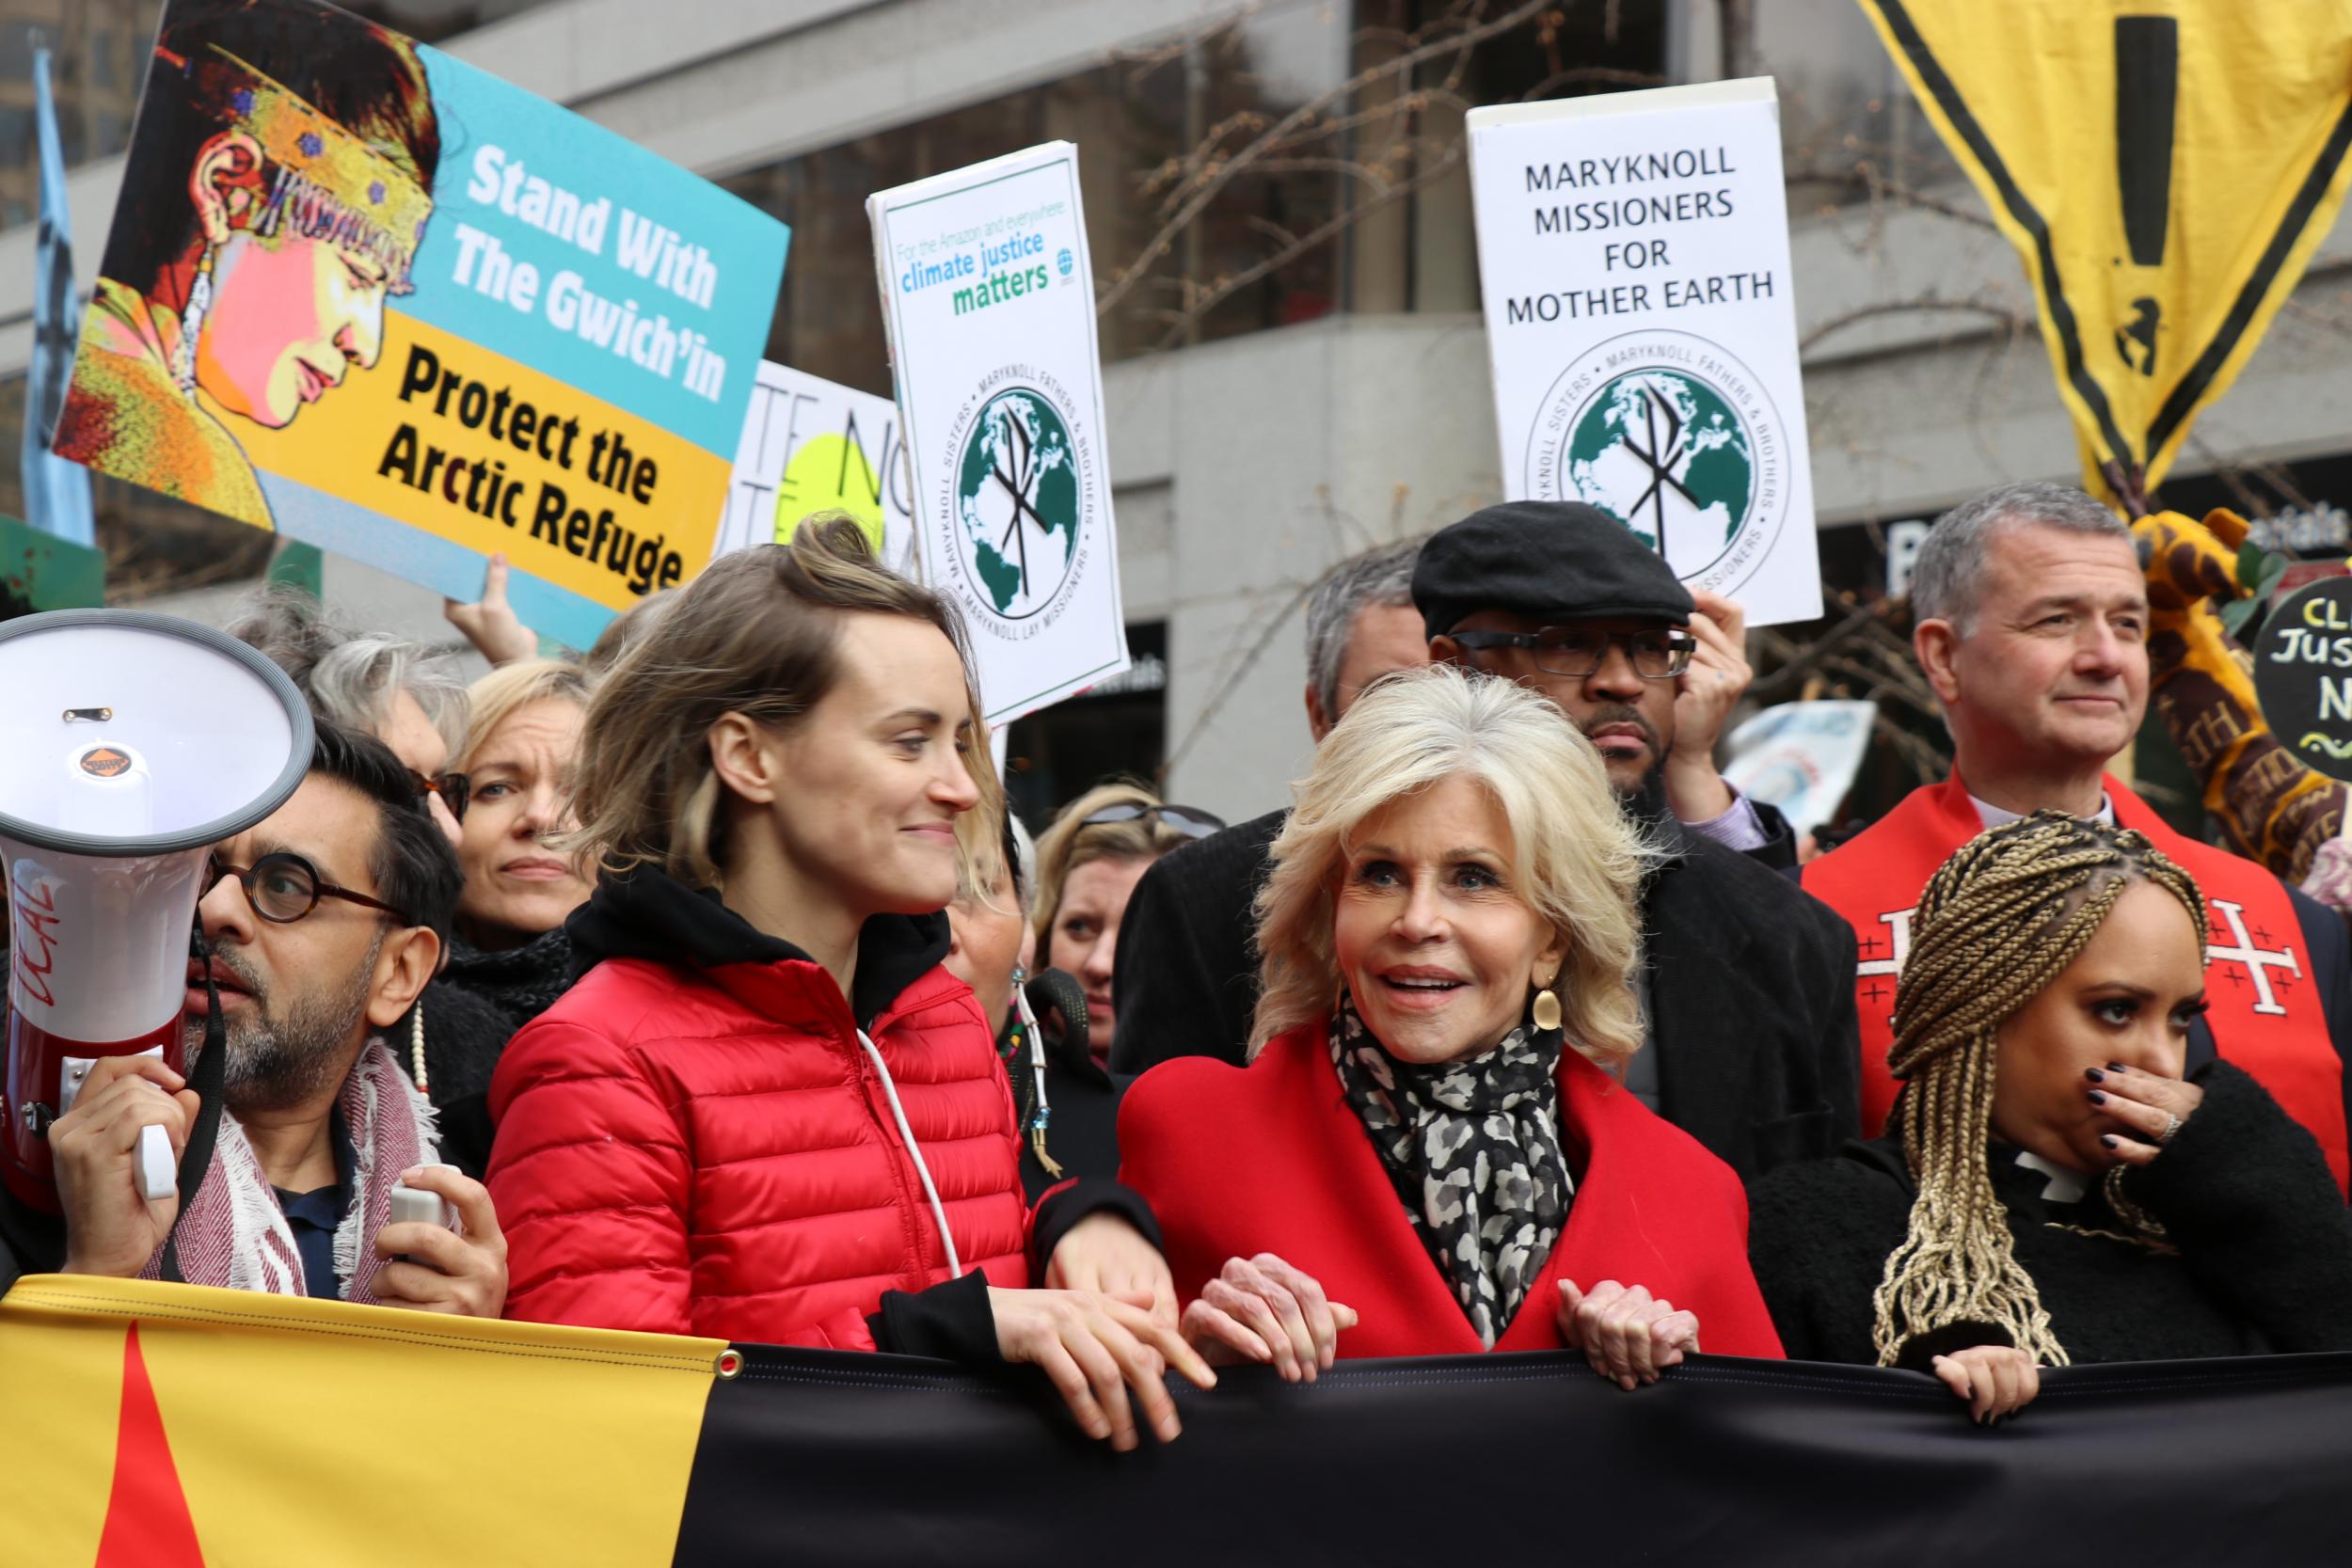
(645, 914)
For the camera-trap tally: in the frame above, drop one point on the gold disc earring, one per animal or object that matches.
(1546, 1012)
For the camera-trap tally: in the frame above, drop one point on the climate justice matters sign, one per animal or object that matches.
(989, 298)
(1633, 249)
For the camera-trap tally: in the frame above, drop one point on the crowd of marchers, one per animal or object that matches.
(711, 981)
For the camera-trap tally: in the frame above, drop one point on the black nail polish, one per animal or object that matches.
(2108, 1141)
(2096, 1098)
(2115, 1066)
(2095, 1075)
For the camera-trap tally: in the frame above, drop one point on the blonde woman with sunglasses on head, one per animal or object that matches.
(1089, 863)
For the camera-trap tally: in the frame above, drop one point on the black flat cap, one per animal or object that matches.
(1560, 559)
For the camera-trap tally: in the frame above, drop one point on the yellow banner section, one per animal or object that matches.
(304, 1431)
(468, 445)
(2165, 167)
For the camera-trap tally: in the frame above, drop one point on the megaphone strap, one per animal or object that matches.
(206, 1078)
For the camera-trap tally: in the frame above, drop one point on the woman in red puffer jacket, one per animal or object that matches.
(766, 1112)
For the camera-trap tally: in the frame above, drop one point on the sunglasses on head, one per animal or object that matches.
(454, 789)
(1191, 821)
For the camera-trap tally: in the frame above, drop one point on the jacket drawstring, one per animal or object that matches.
(939, 1211)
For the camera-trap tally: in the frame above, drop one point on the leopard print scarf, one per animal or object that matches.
(1472, 1148)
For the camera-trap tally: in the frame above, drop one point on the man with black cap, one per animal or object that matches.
(1748, 991)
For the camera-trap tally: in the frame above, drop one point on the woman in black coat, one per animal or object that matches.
(2054, 1191)
(509, 959)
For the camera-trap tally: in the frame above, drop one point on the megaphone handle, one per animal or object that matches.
(157, 1179)
(205, 1078)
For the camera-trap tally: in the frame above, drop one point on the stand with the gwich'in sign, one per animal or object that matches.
(1633, 250)
(988, 297)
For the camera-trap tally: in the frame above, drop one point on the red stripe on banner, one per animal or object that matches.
(147, 1514)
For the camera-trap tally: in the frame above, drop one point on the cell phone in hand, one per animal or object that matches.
(414, 1205)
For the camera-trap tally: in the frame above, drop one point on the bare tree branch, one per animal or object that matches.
(1999, 313)
(1198, 202)
(1209, 298)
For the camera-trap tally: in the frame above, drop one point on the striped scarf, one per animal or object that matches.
(233, 1235)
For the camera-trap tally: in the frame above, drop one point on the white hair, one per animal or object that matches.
(1580, 861)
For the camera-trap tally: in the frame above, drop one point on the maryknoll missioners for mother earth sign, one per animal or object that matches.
(1633, 249)
(989, 298)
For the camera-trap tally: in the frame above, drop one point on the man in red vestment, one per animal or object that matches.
(2031, 619)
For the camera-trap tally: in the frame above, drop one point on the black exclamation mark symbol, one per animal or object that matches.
(2147, 62)
(2147, 77)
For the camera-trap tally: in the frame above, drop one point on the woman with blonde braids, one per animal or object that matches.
(2053, 1189)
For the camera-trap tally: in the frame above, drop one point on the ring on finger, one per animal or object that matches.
(2172, 1125)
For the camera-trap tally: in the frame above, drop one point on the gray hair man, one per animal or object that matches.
(2030, 619)
(404, 694)
(1360, 625)
(1186, 974)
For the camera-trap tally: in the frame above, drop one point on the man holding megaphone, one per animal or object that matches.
(322, 923)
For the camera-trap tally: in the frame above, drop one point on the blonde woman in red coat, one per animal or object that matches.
(1430, 1152)
(767, 1114)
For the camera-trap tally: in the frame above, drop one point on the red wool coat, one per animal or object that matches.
(1271, 1158)
(710, 1151)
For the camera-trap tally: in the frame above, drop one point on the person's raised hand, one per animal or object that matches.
(2150, 1110)
(109, 1229)
(490, 624)
(1261, 1310)
(1998, 1381)
(1103, 1252)
(1704, 694)
(1094, 1349)
(1626, 1334)
(446, 1271)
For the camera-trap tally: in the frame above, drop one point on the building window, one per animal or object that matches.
(1322, 145)
(1133, 122)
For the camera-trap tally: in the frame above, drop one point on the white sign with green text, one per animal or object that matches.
(1633, 250)
(988, 297)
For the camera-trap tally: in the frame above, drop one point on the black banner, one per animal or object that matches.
(814, 1457)
(2303, 674)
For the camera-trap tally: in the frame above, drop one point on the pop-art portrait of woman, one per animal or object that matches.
(278, 184)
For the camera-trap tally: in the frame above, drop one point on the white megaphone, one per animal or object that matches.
(129, 744)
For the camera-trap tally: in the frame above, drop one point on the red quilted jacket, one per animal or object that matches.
(693, 1140)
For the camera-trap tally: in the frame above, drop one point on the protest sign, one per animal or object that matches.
(989, 298)
(2303, 675)
(454, 321)
(40, 571)
(810, 445)
(1800, 757)
(1633, 250)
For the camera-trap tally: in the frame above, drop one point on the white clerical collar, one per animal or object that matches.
(2064, 1186)
(1993, 815)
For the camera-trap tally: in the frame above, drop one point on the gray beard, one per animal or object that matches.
(277, 1059)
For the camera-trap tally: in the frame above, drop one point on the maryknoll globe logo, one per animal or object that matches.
(1017, 497)
(1665, 456)
(1673, 437)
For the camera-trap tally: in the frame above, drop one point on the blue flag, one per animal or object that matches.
(57, 492)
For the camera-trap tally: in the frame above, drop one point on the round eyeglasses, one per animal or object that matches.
(282, 888)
